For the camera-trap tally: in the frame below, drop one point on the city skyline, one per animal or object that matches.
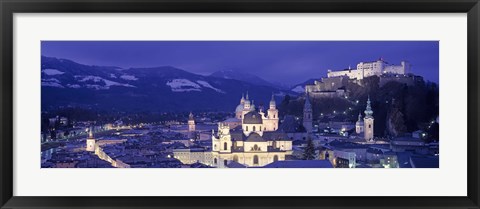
(279, 62)
(162, 109)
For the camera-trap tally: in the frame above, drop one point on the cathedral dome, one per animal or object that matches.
(239, 108)
(252, 118)
(254, 137)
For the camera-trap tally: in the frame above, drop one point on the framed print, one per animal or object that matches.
(262, 104)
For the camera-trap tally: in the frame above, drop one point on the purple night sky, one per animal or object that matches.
(287, 62)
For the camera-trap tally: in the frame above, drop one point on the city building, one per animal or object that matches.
(344, 159)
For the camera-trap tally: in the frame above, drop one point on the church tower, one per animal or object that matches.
(223, 141)
(368, 122)
(90, 141)
(240, 107)
(307, 115)
(359, 124)
(246, 106)
(242, 100)
(191, 123)
(273, 115)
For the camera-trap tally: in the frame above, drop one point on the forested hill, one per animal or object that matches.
(398, 107)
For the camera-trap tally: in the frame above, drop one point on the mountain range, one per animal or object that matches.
(66, 83)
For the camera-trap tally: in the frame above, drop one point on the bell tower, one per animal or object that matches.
(307, 115)
(368, 122)
(359, 124)
(191, 123)
(272, 115)
(90, 140)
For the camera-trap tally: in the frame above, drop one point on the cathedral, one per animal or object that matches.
(251, 139)
(257, 142)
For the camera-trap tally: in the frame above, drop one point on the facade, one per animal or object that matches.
(193, 155)
(390, 160)
(90, 141)
(367, 69)
(405, 143)
(344, 159)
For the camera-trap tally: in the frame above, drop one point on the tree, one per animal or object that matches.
(309, 153)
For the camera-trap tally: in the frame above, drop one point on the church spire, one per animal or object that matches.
(368, 111)
(247, 96)
(272, 102)
(90, 132)
(359, 117)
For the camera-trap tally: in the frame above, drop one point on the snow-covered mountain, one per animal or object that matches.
(245, 77)
(67, 83)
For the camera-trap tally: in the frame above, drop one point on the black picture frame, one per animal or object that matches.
(10, 7)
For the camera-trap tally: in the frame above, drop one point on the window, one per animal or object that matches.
(253, 128)
(255, 160)
(215, 161)
(275, 158)
(369, 126)
(235, 158)
(246, 128)
(225, 146)
(256, 148)
(225, 162)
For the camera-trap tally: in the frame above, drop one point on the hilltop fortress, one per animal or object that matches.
(334, 85)
(367, 69)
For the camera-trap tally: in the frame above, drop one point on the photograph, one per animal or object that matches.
(239, 104)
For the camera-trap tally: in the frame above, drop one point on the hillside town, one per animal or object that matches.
(350, 118)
